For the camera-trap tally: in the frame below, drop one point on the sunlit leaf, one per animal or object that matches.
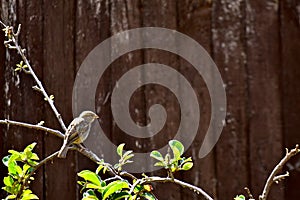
(240, 197)
(148, 196)
(157, 155)
(114, 187)
(187, 166)
(120, 149)
(175, 144)
(8, 181)
(90, 176)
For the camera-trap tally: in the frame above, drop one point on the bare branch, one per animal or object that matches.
(249, 193)
(279, 178)
(2, 23)
(37, 127)
(16, 46)
(178, 182)
(276, 170)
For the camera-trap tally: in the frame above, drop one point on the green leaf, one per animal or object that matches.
(187, 166)
(156, 155)
(90, 176)
(120, 149)
(138, 188)
(27, 195)
(92, 186)
(189, 159)
(114, 187)
(240, 197)
(127, 157)
(12, 168)
(11, 151)
(160, 164)
(5, 160)
(7, 189)
(8, 181)
(12, 196)
(30, 147)
(148, 196)
(99, 168)
(175, 144)
(89, 192)
(25, 192)
(127, 154)
(19, 170)
(120, 195)
(17, 69)
(90, 198)
(34, 156)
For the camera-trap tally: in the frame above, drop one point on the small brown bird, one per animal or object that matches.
(77, 131)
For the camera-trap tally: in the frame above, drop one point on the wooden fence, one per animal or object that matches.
(255, 44)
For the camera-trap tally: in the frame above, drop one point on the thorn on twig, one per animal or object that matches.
(6, 42)
(41, 123)
(11, 46)
(281, 177)
(286, 151)
(36, 88)
(18, 31)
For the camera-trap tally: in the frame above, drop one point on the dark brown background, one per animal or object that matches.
(254, 43)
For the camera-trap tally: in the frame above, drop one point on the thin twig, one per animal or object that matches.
(281, 177)
(276, 170)
(133, 186)
(249, 193)
(2, 23)
(178, 182)
(26, 181)
(14, 40)
(32, 126)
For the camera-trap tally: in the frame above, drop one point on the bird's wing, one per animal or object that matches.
(72, 130)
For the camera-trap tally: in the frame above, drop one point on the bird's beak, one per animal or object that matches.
(96, 117)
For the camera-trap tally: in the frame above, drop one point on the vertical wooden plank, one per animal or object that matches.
(20, 102)
(58, 78)
(126, 15)
(3, 151)
(290, 32)
(32, 40)
(92, 27)
(194, 18)
(162, 14)
(263, 65)
(229, 55)
(10, 141)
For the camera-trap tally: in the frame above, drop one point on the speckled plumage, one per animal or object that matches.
(77, 131)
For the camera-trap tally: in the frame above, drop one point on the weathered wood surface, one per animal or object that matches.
(255, 45)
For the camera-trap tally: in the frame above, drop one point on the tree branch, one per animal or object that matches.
(272, 178)
(178, 182)
(32, 126)
(14, 39)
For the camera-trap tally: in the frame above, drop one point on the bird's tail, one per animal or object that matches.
(63, 151)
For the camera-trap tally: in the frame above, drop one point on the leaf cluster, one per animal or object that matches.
(20, 166)
(94, 188)
(175, 163)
